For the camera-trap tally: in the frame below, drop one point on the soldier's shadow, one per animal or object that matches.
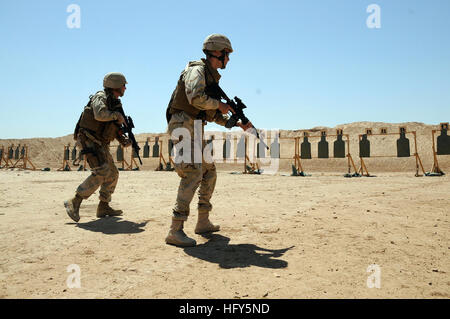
(218, 250)
(112, 226)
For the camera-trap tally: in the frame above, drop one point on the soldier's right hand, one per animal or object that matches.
(225, 108)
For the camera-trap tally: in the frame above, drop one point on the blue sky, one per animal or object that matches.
(296, 65)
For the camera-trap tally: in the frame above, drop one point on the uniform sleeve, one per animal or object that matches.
(101, 112)
(195, 83)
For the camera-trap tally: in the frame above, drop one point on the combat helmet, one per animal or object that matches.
(114, 80)
(217, 42)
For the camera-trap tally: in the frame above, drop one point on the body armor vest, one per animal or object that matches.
(179, 102)
(105, 132)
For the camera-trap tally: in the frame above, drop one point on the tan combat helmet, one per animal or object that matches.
(217, 42)
(114, 80)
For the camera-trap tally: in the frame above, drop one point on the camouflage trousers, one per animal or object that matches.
(201, 176)
(194, 176)
(104, 174)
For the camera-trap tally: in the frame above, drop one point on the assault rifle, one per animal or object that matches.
(236, 104)
(127, 129)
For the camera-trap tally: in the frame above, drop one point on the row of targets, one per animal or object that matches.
(70, 154)
(402, 143)
(274, 149)
(240, 149)
(19, 154)
(155, 149)
(323, 146)
(13, 153)
(261, 151)
(146, 150)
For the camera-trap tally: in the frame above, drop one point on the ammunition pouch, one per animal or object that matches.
(110, 132)
(94, 154)
(95, 157)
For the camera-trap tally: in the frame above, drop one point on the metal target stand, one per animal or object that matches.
(25, 160)
(297, 168)
(66, 159)
(436, 170)
(363, 167)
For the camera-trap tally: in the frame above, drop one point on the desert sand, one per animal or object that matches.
(281, 236)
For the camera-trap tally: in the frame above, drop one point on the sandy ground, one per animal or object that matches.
(281, 237)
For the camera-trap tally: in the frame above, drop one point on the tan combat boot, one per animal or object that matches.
(177, 236)
(104, 210)
(204, 225)
(73, 207)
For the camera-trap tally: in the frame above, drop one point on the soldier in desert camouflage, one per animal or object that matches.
(189, 103)
(97, 127)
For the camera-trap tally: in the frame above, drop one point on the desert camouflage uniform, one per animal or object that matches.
(106, 175)
(194, 175)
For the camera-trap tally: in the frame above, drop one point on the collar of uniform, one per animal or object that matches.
(212, 71)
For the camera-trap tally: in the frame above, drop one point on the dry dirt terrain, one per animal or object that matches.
(281, 236)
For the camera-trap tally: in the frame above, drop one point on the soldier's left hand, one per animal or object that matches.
(246, 126)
